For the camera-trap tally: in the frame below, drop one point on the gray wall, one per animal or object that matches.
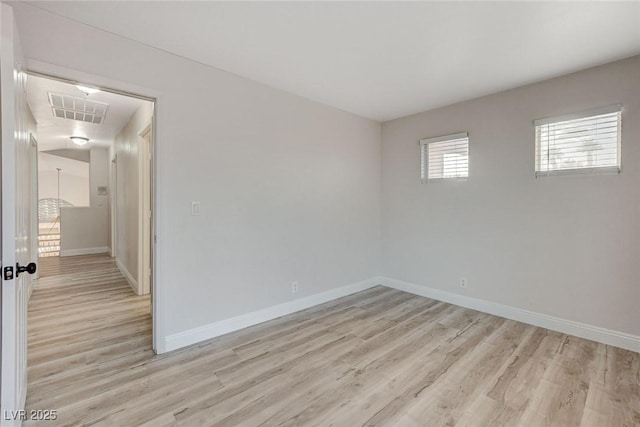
(83, 229)
(565, 246)
(74, 179)
(289, 188)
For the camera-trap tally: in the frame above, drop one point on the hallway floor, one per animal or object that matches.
(85, 324)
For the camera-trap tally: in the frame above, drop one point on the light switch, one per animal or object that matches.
(195, 208)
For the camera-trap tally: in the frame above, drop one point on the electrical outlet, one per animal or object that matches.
(294, 287)
(463, 282)
(195, 208)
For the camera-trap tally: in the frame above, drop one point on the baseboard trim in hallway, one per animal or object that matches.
(84, 251)
(133, 283)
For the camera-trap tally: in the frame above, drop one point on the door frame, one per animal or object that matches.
(35, 208)
(75, 77)
(145, 211)
(113, 195)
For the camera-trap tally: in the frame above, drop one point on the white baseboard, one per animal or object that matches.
(84, 251)
(582, 330)
(130, 279)
(212, 330)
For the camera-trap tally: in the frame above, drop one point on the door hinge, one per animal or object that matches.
(7, 273)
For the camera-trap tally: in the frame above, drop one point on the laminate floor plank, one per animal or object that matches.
(362, 382)
(200, 409)
(380, 357)
(451, 394)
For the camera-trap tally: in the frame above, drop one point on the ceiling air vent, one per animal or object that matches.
(75, 108)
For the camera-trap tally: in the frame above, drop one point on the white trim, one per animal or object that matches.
(212, 330)
(582, 330)
(461, 135)
(84, 251)
(144, 207)
(605, 170)
(69, 75)
(132, 282)
(616, 108)
(34, 202)
(437, 180)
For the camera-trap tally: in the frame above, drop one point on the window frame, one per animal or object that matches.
(597, 170)
(424, 163)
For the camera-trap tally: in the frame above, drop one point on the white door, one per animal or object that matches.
(16, 227)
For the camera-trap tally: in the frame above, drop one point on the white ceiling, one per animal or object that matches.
(380, 60)
(54, 132)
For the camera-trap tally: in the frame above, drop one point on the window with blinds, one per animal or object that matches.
(445, 157)
(587, 142)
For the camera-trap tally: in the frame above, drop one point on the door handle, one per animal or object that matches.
(29, 268)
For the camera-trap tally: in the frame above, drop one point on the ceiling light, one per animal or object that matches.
(87, 90)
(79, 140)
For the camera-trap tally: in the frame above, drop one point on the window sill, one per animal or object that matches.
(612, 170)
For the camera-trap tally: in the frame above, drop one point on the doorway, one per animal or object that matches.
(95, 211)
(23, 138)
(145, 233)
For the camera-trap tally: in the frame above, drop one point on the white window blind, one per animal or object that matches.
(445, 157)
(587, 142)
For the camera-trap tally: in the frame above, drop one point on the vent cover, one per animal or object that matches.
(75, 108)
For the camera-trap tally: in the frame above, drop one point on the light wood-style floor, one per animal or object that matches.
(379, 357)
